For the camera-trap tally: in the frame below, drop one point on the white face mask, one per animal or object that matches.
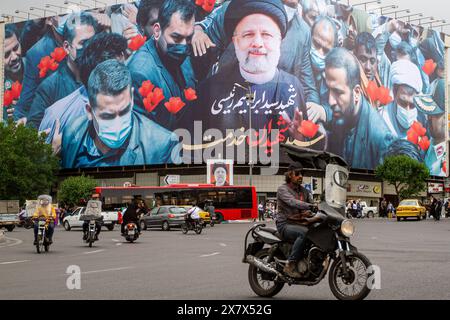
(290, 12)
(406, 117)
(395, 40)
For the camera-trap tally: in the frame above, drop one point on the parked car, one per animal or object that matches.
(368, 212)
(411, 208)
(72, 220)
(164, 217)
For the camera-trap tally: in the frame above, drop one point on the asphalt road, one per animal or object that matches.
(414, 258)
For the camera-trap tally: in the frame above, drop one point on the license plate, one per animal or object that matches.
(131, 232)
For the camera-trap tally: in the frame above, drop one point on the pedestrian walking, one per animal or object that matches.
(261, 212)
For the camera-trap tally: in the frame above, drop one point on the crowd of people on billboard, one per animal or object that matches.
(111, 86)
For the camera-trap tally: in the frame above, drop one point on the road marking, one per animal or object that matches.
(115, 240)
(108, 270)
(210, 255)
(16, 242)
(223, 245)
(13, 262)
(94, 251)
(119, 244)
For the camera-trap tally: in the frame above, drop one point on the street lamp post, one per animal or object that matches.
(250, 97)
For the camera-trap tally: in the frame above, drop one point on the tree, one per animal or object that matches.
(407, 175)
(74, 189)
(28, 166)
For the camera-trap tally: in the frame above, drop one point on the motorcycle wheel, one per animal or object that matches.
(356, 277)
(198, 229)
(28, 226)
(184, 228)
(263, 288)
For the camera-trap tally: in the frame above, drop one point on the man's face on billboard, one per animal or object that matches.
(13, 55)
(220, 175)
(257, 41)
(323, 38)
(152, 19)
(311, 16)
(82, 34)
(368, 61)
(405, 97)
(341, 97)
(437, 127)
(176, 32)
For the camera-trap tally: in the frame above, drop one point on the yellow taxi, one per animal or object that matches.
(205, 216)
(411, 208)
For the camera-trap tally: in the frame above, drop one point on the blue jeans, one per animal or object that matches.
(297, 233)
(48, 232)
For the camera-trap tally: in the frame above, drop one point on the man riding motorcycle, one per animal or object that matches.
(295, 203)
(44, 210)
(131, 214)
(193, 214)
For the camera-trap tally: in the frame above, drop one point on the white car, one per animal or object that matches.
(73, 219)
(368, 212)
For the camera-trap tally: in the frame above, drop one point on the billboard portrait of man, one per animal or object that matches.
(256, 29)
(220, 172)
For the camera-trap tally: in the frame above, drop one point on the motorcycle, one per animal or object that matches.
(191, 224)
(91, 233)
(131, 232)
(327, 247)
(42, 240)
(25, 222)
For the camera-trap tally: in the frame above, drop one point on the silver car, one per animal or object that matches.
(164, 217)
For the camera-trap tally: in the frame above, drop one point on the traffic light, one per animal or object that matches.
(314, 184)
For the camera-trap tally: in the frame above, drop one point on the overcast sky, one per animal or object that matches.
(438, 9)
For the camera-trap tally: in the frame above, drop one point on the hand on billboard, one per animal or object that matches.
(316, 112)
(130, 12)
(57, 138)
(103, 20)
(294, 125)
(130, 32)
(22, 121)
(201, 42)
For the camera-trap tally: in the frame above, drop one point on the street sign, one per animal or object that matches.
(171, 179)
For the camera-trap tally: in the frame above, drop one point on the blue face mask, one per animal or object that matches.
(317, 61)
(395, 40)
(406, 117)
(178, 52)
(113, 133)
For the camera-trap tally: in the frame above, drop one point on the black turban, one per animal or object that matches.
(239, 9)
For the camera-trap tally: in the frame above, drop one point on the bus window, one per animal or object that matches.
(244, 198)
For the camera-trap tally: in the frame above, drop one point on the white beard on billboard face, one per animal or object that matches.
(258, 69)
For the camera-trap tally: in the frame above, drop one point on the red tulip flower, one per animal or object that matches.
(8, 98)
(58, 54)
(146, 88)
(429, 67)
(444, 166)
(308, 129)
(190, 94)
(199, 2)
(149, 106)
(47, 63)
(137, 42)
(16, 89)
(417, 127)
(174, 105)
(158, 96)
(208, 5)
(384, 96)
(412, 136)
(372, 91)
(424, 143)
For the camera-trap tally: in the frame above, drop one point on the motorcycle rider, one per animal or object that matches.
(193, 215)
(46, 211)
(131, 214)
(294, 200)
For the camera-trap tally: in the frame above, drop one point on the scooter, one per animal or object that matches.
(131, 232)
(91, 233)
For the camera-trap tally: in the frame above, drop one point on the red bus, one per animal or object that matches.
(230, 202)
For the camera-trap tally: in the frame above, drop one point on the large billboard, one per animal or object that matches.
(124, 86)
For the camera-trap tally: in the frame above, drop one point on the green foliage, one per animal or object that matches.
(73, 189)
(407, 175)
(27, 164)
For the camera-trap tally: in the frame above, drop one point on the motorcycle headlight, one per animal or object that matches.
(347, 228)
